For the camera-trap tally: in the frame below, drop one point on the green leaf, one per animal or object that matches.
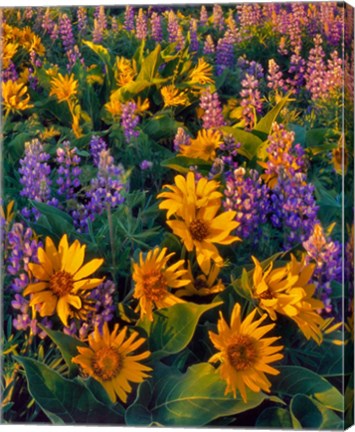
(264, 125)
(306, 413)
(182, 164)
(150, 65)
(249, 142)
(61, 223)
(274, 417)
(197, 397)
(294, 380)
(160, 126)
(65, 401)
(318, 140)
(67, 345)
(173, 328)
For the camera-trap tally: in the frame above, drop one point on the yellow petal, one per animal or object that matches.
(88, 269)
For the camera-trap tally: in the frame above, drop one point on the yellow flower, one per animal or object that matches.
(114, 106)
(109, 360)
(15, 97)
(203, 146)
(198, 225)
(63, 280)
(64, 87)
(9, 212)
(202, 285)
(142, 105)
(49, 133)
(201, 74)
(152, 279)
(187, 192)
(125, 71)
(244, 353)
(286, 290)
(172, 96)
(9, 50)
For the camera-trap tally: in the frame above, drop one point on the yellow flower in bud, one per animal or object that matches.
(15, 97)
(125, 71)
(244, 353)
(173, 97)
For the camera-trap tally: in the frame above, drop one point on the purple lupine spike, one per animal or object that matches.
(47, 22)
(129, 18)
(97, 144)
(327, 255)
(173, 26)
(74, 56)
(212, 116)
(274, 77)
(35, 173)
(249, 15)
(218, 19)
(55, 33)
(181, 138)
(227, 152)
(68, 171)
(155, 22)
(180, 39)
(296, 71)
(203, 15)
(66, 32)
(249, 198)
(141, 25)
(316, 70)
(82, 19)
(251, 100)
(208, 47)
(145, 165)
(129, 120)
(293, 208)
(194, 44)
(224, 53)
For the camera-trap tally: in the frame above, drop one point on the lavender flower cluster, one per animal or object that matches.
(246, 195)
(212, 116)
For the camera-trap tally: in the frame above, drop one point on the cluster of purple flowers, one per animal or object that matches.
(327, 256)
(129, 120)
(227, 153)
(218, 19)
(212, 116)
(157, 32)
(103, 311)
(35, 173)
(22, 248)
(173, 26)
(100, 24)
(68, 171)
(97, 144)
(194, 43)
(208, 46)
(225, 53)
(129, 18)
(203, 15)
(293, 208)
(10, 73)
(66, 32)
(246, 195)
(141, 25)
(274, 77)
(82, 19)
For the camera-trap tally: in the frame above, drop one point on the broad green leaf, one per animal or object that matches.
(182, 164)
(61, 223)
(197, 397)
(160, 126)
(294, 380)
(306, 413)
(173, 328)
(318, 140)
(150, 65)
(64, 400)
(264, 125)
(274, 417)
(131, 89)
(249, 142)
(67, 345)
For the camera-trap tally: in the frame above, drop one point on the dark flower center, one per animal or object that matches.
(242, 353)
(61, 283)
(107, 363)
(198, 230)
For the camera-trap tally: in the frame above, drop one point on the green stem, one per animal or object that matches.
(110, 227)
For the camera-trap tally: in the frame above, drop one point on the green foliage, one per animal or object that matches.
(173, 328)
(65, 401)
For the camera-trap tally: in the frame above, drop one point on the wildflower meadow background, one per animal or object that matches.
(177, 215)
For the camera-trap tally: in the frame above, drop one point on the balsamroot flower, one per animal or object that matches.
(201, 74)
(64, 87)
(152, 279)
(109, 360)
(63, 280)
(172, 96)
(204, 146)
(15, 97)
(245, 355)
(287, 290)
(197, 224)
